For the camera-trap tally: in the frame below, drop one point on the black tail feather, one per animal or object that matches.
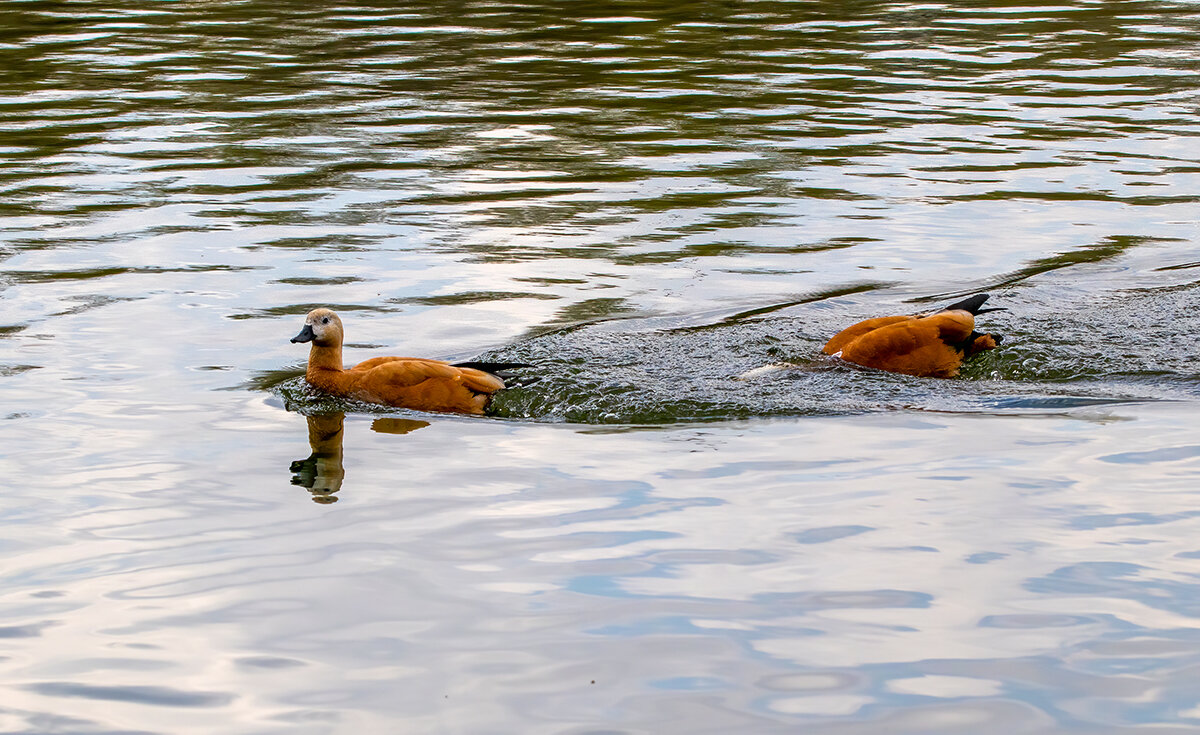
(494, 368)
(503, 370)
(973, 304)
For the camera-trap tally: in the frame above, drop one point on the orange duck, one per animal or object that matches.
(405, 382)
(930, 346)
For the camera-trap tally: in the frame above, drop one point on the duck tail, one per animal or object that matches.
(503, 370)
(492, 367)
(973, 304)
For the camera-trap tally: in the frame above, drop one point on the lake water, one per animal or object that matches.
(648, 201)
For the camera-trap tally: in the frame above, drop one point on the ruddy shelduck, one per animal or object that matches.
(404, 382)
(931, 345)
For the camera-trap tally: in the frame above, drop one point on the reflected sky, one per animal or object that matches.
(895, 570)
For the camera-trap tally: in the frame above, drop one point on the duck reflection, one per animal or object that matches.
(323, 471)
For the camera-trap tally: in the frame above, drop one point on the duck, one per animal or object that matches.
(404, 382)
(931, 345)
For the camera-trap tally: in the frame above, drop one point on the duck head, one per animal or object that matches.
(321, 327)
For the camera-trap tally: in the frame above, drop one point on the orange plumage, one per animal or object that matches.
(932, 345)
(405, 382)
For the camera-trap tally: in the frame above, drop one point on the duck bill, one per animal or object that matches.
(306, 334)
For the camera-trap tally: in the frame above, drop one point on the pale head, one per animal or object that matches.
(321, 327)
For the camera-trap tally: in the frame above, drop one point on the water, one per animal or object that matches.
(647, 202)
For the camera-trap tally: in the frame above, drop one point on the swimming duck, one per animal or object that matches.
(932, 345)
(405, 382)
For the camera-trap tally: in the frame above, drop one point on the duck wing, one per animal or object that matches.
(411, 371)
(375, 362)
(855, 331)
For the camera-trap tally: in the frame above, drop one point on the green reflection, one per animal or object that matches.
(470, 297)
(1107, 249)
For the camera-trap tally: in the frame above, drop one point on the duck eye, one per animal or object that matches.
(325, 320)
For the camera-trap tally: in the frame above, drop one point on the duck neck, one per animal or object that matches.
(324, 361)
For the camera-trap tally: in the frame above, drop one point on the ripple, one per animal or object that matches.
(158, 696)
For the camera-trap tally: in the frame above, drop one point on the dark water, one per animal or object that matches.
(652, 203)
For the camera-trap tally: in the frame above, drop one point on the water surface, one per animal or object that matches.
(649, 203)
